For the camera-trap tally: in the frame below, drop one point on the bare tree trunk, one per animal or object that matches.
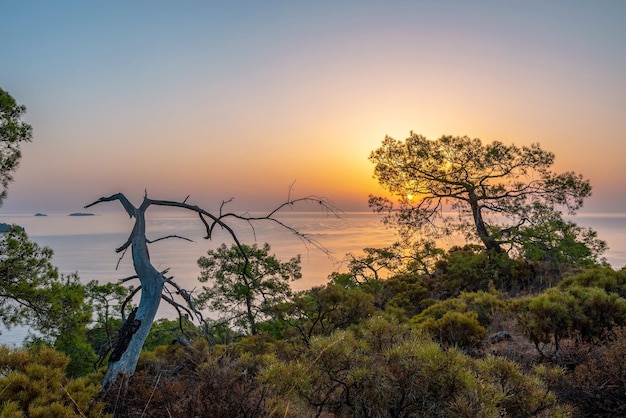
(135, 329)
(483, 233)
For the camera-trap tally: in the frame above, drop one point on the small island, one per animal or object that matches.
(40, 214)
(81, 214)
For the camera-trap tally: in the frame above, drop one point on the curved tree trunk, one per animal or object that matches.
(135, 329)
(483, 233)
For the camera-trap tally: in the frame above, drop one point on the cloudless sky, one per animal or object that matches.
(242, 98)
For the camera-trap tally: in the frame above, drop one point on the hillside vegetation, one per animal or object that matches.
(524, 320)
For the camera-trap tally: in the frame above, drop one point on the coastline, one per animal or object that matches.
(86, 245)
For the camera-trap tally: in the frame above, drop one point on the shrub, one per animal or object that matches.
(597, 387)
(589, 314)
(606, 278)
(324, 309)
(460, 321)
(408, 293)
(385, 369)
(191, 381)
(471, 268)
(33, 384)
(547, 318)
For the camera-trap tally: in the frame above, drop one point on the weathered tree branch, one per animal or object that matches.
(152, 282)
(167, 237)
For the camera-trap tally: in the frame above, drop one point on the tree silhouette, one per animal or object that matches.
(13, 131)
(495, 190)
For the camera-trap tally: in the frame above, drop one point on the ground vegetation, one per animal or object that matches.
(521, 319)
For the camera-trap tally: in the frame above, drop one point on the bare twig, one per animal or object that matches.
(186, 295)
(167, 237)
(128, 299)
(129, 278)
(175, 304)
(119, 260)
(153, 284)
(151, 395)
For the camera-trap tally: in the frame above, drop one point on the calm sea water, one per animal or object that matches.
(86, 245)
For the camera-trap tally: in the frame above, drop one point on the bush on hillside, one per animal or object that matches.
(460, 321)
(382, 368)
(33, 383)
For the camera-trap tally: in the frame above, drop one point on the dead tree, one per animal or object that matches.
(135, 328)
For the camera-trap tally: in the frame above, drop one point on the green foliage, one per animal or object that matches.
(369, 266)
(33, 384)
(244, 286)
(13, 132)
(406, 294)
(599, 313)
(381, 368)
(460, 321)
(74, 344)
(612, 281)
(107, 302)
(497, 191)
(459, 329)
(34, 294)
(27, 279)
(165, 331)
(522, 394)
(556, 246)
(470, 268)
(548, 317)
(408, 256)
(586, 313)
(71, 336)
(324, 309)
(466, 268)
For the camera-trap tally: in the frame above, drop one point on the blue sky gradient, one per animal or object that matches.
(240, 99)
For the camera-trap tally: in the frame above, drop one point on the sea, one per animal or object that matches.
(86, 245)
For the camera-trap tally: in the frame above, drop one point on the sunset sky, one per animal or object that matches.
(242, 98)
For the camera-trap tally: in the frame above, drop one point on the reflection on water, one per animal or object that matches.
(86, 245)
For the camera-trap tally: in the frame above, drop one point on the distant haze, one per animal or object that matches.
(240, 99)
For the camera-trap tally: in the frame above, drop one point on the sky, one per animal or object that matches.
(245, 99)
